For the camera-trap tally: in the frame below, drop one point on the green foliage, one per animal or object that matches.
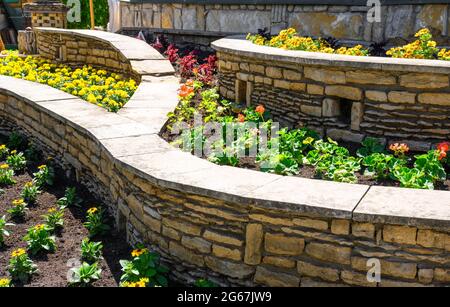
(370, 146)
(16, 141)
(44, 176)
(95, 222)
(3, 231)
(91, 251)
(70, 199)
(272, 161)
(6, 175)
(39, 239)
(144, 265)
(21, 267)
(18, 209)
(204, 283)
(101, 13)
(16, 160)
(54, 219)
(85, 274)
(30, 192)
(381, 166)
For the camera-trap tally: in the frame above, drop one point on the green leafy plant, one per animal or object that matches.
(3, 231)
(70, 199)
(30, 192)
(370, 146)
(95, 222)
(4, 151)
(39, 239)
(280, 163)
(16, 141)
(382, 166)
(6, 175)
(85, 274)
(18, 209)
(146, 265)
(44, 176)
(54, 219)
(205, 283)
(91, 251)
(21, 267)
(16, 160)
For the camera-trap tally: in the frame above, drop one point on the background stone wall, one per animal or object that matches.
(346, 22)
(341, 98)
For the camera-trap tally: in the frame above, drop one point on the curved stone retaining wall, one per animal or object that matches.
(345, 97)
(231, 225)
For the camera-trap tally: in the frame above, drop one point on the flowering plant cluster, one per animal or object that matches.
(422, 48)
(290, 40)
(21, 267)
(108, 90)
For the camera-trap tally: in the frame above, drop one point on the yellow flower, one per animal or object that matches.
(138, 252)
(51, 210)
(39, 227)
(42, 167)
(29, 184)
(18, 252)
(5, 282)
(13, 152)
(4, 166)
(18, 202)
(92, 210)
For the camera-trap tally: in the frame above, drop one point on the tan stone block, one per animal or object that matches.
(279, 262)
(426, 275)
(292, 75)
(314, 89)
(356, 279)
(297, 86)
(442, 275)
(357, 115)
(253, 243)
(399, 234)
(325, 75)
(283, 245)
(271, 278)
(171, 233)
(340, 227)
(401, 97)
(442, 99)
(310, 223)
(331, 107)
(424, 80)
(430, 238)
(282, 84)
(185, 254)
(183, 226)
(196, 243)
(222, 238)
(152, 223)
(369, 77)
(229, 268)
(311, 110)
(225, 252)
(365, 230)
(271, 220)
(167, 17)
(274, 72)
(378, 96)
(328, 252)
(398, 269)
(347, 92)
(308, 269)
(359, 263)
(260, 69)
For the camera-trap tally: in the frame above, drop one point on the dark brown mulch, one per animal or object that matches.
(53, 267)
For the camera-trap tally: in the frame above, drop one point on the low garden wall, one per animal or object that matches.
(230, 225)
(345, 97)
(342, 19)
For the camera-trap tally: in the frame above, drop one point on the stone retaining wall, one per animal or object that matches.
(343, 21)
(231, 225)
(345, 97)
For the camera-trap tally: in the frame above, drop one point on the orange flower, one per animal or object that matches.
(241, 118)
(185, 91)
(195, 71)
(399, 149)
(190, 82)
(260, 109)
(442, 155)
(444, 146)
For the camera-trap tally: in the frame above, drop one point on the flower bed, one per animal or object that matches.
(301, 151)
(49, 237)
(108, 90)
(422, 48)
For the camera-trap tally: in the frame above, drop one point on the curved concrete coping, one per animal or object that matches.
(239, 46)
(143, 60)
(130, 137)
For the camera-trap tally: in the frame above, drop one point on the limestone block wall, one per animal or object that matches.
(344, 97)
(341, 19)
(231, 225)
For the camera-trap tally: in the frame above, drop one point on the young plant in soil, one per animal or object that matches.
(16, 160)
(54, 219)
(3, 231)
(6, 175)
(91, 251)
(21, 267)
(39, 239)
(95, 222)
(18, 209)
(85, 274)
(30, 192)
(70, 199)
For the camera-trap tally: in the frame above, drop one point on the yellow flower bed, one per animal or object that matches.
(108, 90)
(290, 40)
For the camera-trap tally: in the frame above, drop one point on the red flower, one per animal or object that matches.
(444, 146)
(241, 118)
(442, 155)
(260, 109)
